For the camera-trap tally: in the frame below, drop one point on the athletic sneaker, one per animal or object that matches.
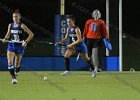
(14, 81)
(94, 73)
(99, 70)
(65, 73)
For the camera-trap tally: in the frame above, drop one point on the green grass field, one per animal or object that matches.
(78, 86)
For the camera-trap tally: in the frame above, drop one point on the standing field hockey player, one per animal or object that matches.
(77, 45)
(15, 50)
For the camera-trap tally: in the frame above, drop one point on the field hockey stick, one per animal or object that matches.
(12, 41)
(45, 42)
(78, 56)
(50, 43)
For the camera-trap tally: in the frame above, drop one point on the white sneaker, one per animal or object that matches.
(94, 73)
(65, 73)
(14, 81)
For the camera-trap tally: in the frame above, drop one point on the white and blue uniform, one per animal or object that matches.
(16, 34)
(81, 47)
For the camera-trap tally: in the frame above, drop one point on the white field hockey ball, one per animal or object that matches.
(45, 78)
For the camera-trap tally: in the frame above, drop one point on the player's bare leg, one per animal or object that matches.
(18, 58)
(67, 55)
(11, 67)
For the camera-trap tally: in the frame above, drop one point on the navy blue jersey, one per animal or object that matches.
(16, 35)
(72, 34)
(81, 47)
(16, 32)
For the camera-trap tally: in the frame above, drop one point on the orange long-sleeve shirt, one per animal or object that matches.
(95, 29)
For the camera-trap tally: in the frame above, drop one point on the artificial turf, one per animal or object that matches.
(78, 86)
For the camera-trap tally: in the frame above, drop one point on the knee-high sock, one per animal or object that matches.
(11, 69)
(67, 64)
(90, 63)
(17, 69)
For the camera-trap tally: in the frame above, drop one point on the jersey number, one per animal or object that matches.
(94, 26)
(16, 37)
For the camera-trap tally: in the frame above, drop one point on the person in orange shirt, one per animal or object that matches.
(94, 31)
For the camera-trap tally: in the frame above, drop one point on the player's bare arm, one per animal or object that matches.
(65, 39)
(30, 33)
(7, 34)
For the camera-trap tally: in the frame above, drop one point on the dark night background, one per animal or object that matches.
(39, 17)
(42, 12)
